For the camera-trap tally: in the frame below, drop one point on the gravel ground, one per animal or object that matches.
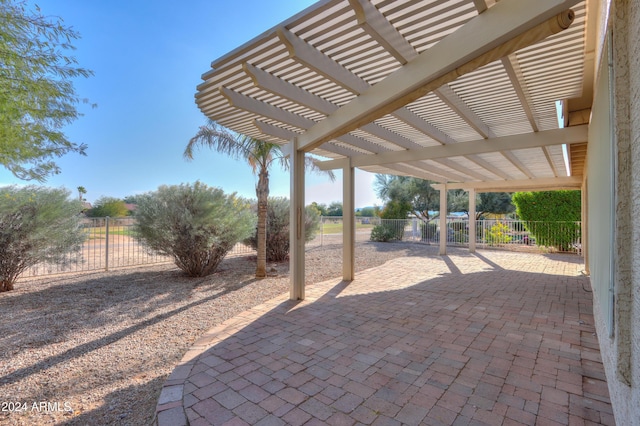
(95, 348)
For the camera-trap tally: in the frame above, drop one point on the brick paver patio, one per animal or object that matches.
(495, 338)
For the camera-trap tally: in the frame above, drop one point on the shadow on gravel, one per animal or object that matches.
(120, 408)
(103, 300)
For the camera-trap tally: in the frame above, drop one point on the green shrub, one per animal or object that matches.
(498, 234)
(195, 224)
(428, 230)
(37, 225)
(108, 206)
(278, 228)
(391, 230)
(396, 210)
(458, 227)
(386, 232)
(460, 232)
(551, 216)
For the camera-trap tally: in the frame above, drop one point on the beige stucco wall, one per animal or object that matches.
(634, 95)
(599, 207)
(621, 353)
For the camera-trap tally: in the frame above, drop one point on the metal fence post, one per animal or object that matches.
(106, 257)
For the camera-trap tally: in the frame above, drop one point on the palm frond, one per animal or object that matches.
(311, 164)
(258, 153)
(219, 139)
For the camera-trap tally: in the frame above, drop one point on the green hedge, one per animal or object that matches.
(551, 216)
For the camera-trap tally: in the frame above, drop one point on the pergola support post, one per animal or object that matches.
(584, 226)
(472, 220)
(296, 221)
(348, 222)
(443, 219)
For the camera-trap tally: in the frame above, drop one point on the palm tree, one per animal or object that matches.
(81, 192)
(260, 155)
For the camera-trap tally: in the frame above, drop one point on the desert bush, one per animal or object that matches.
(278, 228)
(194, 224)
(390, 230)
(387, 231)
(37, 224)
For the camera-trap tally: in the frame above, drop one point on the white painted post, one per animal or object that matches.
(296, 221)
(472, 220)
(348, 222)
(443, 219)
(584, 228)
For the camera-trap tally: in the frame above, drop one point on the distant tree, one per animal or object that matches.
(278, 228)
(109, 206)
(367, 212)
(195, 224)
(131, 199)
(486, 203)
(418, 193)
(81, 192)
(334, 209)
(551, 216)
(37, 225)
(390, 230)
(495, 203)
(37, 96)
(321, 208)
(260, 155)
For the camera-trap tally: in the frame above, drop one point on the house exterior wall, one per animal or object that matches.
(634, 137)
(620, 349)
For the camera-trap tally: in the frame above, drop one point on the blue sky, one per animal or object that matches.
(148, 57)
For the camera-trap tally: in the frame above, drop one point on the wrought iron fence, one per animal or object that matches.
(110, 243)
(492, 233)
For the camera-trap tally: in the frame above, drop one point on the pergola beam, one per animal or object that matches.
(447, 174)
(413, 120)
(376, 24)
(306, 54)
(264, 109)
(489, 167)
(453, 101)
(542, 184)
(518, 163)
(512, 67)
(322, 64)
(378, 27)
(282, 88)
(504, 28)
(269, 111)
(419, 173)
(461, 169)
(569, 135)
(285, 134)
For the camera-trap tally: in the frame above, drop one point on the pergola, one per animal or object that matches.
(462, 92)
